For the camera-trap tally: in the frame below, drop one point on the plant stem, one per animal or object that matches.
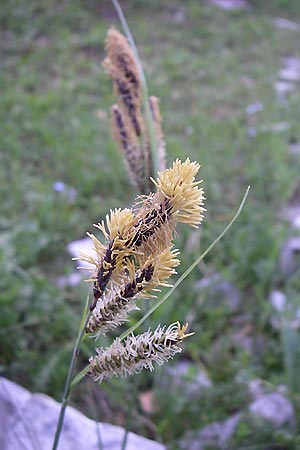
(68, 387)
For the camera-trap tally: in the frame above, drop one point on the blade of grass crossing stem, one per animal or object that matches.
(68, 386)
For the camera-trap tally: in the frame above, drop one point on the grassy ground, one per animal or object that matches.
(206, 65)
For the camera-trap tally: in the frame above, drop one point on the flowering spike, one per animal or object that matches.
(137, 352)
(120, 65)
(178, 185)
(113, 308)
(147, 232)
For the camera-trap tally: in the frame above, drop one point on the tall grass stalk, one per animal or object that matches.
(67, 389)
(84, 326)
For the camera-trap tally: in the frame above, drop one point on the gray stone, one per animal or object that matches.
(220, 291)
(187, 377)
(231, 4)
(29, 422)
(283, 87)
(217, 433)
(75, 248)
(291, 213)
(290, 256)
(274, 408)
(256, 389)
(179, 15)
(295, 150)
(84, 245)
(286, 24)
(278, 300)
(253, 108)
(290, 74)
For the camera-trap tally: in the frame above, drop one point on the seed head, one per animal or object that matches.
(137, 352)
(178, 185)
(113, 308)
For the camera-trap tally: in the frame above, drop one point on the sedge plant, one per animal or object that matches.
(136, 255)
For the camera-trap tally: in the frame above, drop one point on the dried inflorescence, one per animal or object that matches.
(121, 66)
(128, 115)
(137, 352)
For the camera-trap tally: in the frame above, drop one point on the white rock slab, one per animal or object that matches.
(273, 407)
(286, 24)
(28, 422)
(230, 4)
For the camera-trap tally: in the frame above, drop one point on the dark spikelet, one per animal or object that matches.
(104, 274)
(121, 66)
(116, 306)
(120, 132)
(126, 95)
(129, 146)
(131, 74)
(150, 223)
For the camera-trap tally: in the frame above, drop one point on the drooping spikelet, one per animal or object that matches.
(137, 352)
(113, 308)
(178, 186)
(130, 147)
(121, 66)
(110, 258)
(128, 116)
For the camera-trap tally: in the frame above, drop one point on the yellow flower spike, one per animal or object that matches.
(118, 223)
(181, 331)
(178, 185)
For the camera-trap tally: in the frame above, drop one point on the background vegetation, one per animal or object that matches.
(207, 65)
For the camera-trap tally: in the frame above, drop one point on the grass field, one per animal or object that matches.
(215, 72)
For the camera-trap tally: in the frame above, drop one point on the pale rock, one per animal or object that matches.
(29, 422)
(294, 148)
(286, 24)
(291, 213)
(219, 291)
(85, 245)
(187, 377)
(278, 300)
(253, 108)
(231, 4)
(283, 87)
(256, 389)
(290, 256)
(215, 434)
(274, 408)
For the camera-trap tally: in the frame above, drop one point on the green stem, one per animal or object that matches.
(68, 387)
(148, 114)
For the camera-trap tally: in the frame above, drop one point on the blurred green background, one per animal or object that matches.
(227, 103)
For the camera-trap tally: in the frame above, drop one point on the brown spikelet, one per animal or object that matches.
(130, 147)
(161, 147)
(121, 66)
